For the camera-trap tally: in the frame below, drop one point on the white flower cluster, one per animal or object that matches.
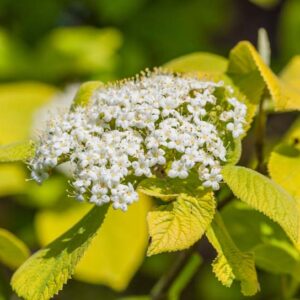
(179, 124)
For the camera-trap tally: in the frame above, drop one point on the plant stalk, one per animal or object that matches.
(260, 137)
(160, 290)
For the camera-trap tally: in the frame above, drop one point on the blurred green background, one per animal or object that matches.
(48, 46)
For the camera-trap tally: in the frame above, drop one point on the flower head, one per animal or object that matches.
(181, 124)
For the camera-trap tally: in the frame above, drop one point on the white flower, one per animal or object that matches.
(178, 123)
(178, 169)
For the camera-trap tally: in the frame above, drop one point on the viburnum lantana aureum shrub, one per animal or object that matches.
(174, 135)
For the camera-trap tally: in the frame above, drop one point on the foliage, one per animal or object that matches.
(44, 273)
(231, 263)
(13, 252)
(107, 247)
(116, 252)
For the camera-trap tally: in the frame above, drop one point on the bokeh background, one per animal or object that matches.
(48, 47)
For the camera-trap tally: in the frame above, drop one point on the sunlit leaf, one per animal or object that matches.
(265, 3)
(79, 50)
(266, 196)
(249, 72)
(12, 179)
(169, 188)
(85, 92)
(181, 223)
(16, 152)
(231, 263)
(46, 195)
(290, 76)
(116, 252)
(44, 273)
(292, 137)
(200, 63)
(13, 252)
(18, 103)
(284, 168)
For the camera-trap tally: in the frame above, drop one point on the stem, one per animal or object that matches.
(260, 137)
(283, 287)
(159, 292)
(292, 288)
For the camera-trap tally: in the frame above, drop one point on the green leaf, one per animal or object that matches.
(199, 62)
(289, 29)
(135, 298)
(44, 273)
(181, 223)
(85, 92)
(292, 137)
(21, 151)
(12, 179)
(18, 103)
(284, 168)
(13, 252)
(168, 189)
(231, 263)
(284, 161)
(78, 51)
(127, 231)
(234, 154)
(290, 76)
(163, 189)
(278, 257)
(250, 228)
(253, 231)
(266, 196)
(249, 72)
(265, 3)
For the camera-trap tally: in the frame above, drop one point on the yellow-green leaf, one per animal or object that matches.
(284, 168)
(20, 151)
(85, 92)
(13, 252)
(290, 76)
(116, 252)
(181, 223)
(249, 72)
(158, 188)
(12, 179)
(284, 162)
(292, 137)
(231, 263)
(200, 63)
(18, 103)
(168, 189)
(266, 196)
(44, 273)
